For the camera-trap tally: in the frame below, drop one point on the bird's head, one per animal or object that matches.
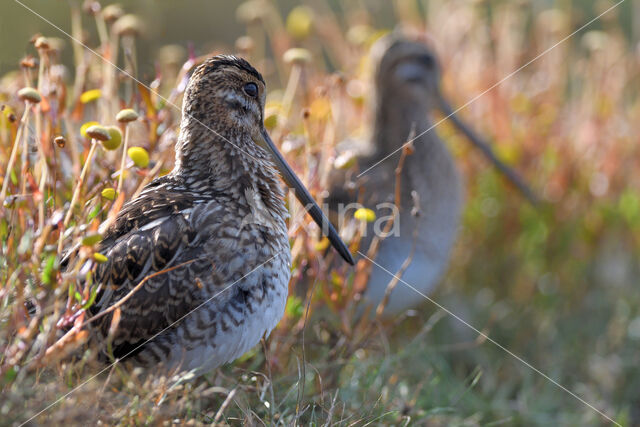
(406, 69)
(225, 94)
(407, 82)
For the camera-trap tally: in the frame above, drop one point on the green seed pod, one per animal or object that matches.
(108, 193)
(271, 121)
(100, 258)
(139, 156)
(85, 126)
(300, 22)
(90, 96)
(115, 138)
(359, 35)
(365, 215)
(91, 239)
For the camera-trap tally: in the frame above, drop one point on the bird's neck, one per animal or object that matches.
(223, 162)
(398, 121)
(429, 169)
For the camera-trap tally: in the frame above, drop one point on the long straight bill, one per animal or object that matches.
(304, 197)
(487, 151)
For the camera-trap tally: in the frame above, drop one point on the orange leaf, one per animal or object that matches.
(45, 107)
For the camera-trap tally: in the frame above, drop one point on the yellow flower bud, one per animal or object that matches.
(300, 22)
(90, 96)
(139, 156)
(364, 214)
(91, 239)
(100, 258)
(109, 193)
(115, 140)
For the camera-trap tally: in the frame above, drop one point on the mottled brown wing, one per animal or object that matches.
(157, 200)
(151, 240)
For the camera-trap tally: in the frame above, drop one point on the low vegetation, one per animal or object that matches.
(554, 284)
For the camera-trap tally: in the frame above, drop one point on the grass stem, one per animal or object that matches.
(14, 152)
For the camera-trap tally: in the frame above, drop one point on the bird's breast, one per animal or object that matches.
(243, 275)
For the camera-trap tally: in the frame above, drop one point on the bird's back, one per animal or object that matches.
(199, 260)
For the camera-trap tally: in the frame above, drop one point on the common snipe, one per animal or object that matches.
(406, 81)
(209, 239)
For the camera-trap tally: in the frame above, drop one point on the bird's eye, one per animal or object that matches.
(427, 60)
(251, 89)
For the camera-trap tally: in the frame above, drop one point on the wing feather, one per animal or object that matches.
(152, 234)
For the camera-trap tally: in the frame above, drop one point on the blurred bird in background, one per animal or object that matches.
(429, 200)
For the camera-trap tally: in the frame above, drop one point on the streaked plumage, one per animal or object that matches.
(211, 232)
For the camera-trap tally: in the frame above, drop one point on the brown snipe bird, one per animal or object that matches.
(209, 240)
(406, 81)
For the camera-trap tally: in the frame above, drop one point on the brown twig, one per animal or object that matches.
(136, 289)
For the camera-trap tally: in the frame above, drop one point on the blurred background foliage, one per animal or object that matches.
(556, 284)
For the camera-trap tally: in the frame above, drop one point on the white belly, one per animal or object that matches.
(195, 347)
(228, 346)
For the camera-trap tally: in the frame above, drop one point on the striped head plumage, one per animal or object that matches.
(222, 110)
